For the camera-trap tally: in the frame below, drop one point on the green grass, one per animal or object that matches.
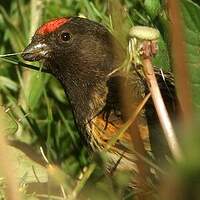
(36, 101)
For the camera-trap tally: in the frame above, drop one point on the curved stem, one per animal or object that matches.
(161, 109)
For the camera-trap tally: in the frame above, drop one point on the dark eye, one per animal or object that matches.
(65, 36)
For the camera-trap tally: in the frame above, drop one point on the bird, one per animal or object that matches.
(83, 54)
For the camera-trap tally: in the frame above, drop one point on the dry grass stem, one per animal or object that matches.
(6, 168)
(161, 109)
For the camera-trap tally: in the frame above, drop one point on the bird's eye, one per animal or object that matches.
(65, 36)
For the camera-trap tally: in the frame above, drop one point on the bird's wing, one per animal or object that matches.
(105, 129)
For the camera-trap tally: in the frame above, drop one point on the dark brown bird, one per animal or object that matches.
(82, 55)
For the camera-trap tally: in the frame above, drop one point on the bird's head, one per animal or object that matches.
(71, 46)
(79, 52)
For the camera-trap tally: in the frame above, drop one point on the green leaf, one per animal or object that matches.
(191, 19)
(119, 20)
(152, 7)
(6, 82)
(16, 37)
(7, 124)
(162, 59)
(35, 88)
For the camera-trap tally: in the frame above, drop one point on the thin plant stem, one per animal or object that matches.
(126, 125)
(82, 182)
(33, 67)
(19, 63)
(161, 108)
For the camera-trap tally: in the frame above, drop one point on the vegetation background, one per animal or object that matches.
(36, 118)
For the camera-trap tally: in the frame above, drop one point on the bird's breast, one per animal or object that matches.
(105, 136)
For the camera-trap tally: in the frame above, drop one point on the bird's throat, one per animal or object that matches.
(86, 93)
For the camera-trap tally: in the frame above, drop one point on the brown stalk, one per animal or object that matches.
(179, 59)
(143, 168)
(159, 104)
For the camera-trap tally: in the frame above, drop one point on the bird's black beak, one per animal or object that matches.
(35, 51)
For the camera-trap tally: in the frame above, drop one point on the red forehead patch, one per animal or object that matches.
(52, 25)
